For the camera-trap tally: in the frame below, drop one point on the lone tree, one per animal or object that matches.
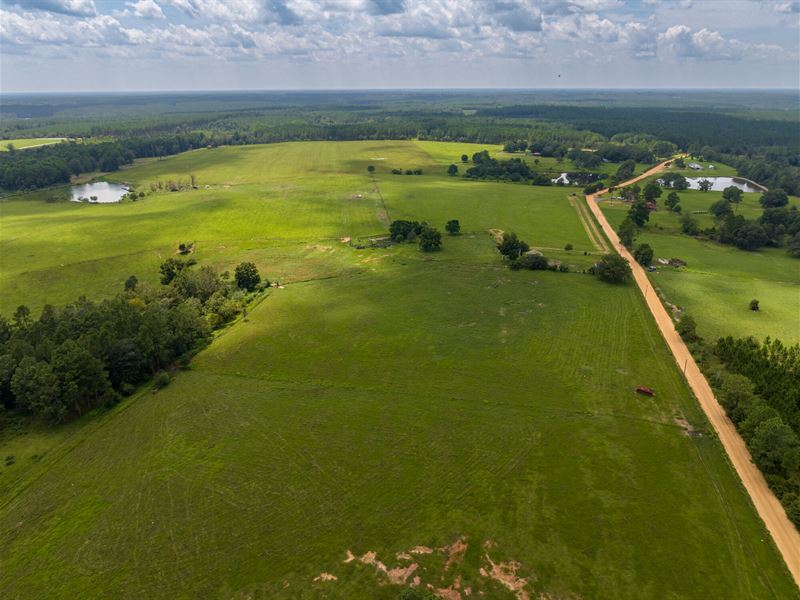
(430, 239)
(705, 185)
(613, 269)
(672, 201)
(452, 170)
(627, 231)
(754, 305)
(689, 225)
(639, 213)
(131, 283)
(652, 192)
(453, 226)
(371, 168)
(247, 277)
(464, 158)
(721, 209)
(511, 246)
(774, 198)
(568, 247)
(643, 254)
(687, 329)
(732, 194)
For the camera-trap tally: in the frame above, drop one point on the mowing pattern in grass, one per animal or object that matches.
(408, 406)
(383, 400)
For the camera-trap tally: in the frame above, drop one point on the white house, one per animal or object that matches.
(695, 166)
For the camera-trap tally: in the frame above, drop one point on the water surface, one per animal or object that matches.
(720, 183)
(100, 192)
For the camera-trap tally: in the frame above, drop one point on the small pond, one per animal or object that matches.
(100, 192)
(720, 183)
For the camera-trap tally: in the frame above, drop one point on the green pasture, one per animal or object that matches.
(719, 281)
(22, 143)
(269, 201)
(381, 401)
(411, 404)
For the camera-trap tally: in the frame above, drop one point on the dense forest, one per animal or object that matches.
(760, 391)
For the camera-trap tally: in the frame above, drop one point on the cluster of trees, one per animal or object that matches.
(624, 171)
(428, 238)
(611, 268)
(407, 172)
(515, 146)
(777, 226)
(674, 181)
(584, 160)
(486, 167)
(760, 391)
(85, 355)
(520, 255)
(639, 211)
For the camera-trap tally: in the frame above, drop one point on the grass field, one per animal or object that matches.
(719, 281)
(383, 401)
(22, 143)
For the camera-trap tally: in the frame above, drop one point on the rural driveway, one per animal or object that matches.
(769, 508)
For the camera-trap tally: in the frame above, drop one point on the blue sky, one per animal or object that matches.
(89, 45)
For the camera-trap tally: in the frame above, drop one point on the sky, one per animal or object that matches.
(149, 45)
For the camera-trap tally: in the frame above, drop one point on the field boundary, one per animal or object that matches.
(595, 237)
(783, 532)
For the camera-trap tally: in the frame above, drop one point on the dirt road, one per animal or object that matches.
(786, 537)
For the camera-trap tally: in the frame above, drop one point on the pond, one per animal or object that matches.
(100, 192)
(720, 183)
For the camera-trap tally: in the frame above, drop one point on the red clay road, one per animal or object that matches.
(786, 536)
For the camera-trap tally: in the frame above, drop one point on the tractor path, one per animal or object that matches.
(783, 532)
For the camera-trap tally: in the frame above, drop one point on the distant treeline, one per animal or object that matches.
(56, 163)
(688, 129)
(767, 151)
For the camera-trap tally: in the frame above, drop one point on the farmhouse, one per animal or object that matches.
(694, 166)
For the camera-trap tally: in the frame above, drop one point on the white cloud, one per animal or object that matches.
(143, 9)
(82, 8)
(528, 35)
(685, 44)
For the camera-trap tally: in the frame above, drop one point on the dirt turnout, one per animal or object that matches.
(786, 537)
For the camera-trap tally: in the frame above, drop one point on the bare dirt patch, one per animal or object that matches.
(497, 235)
(455, 553)
(506, 574)
(688, 429)
(325, 577)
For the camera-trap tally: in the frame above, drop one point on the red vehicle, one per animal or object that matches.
(645, 390)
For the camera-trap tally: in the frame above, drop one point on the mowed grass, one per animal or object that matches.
(383, 399)
(22, 143)
(719, 281)
(416, 403)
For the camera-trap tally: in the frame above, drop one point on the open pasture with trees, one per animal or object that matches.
(23, 143)
(719, 281)
(461, 420)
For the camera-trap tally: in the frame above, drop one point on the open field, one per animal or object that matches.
(22, 143)
(384, 400)
(719, 281)
(262, 201)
